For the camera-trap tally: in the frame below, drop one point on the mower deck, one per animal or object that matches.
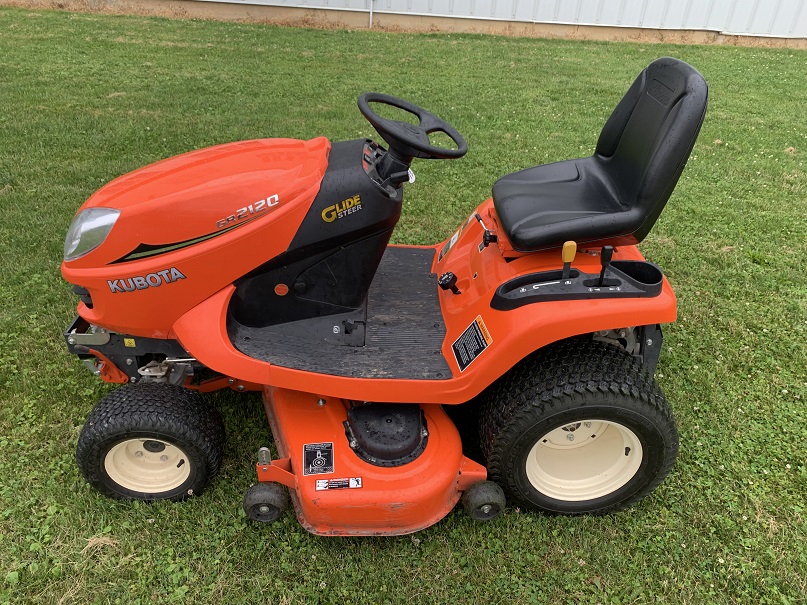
(404, 330)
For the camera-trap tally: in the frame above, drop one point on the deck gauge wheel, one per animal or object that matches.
(265, 502)
(483, 501)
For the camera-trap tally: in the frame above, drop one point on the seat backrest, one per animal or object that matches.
(646, 142)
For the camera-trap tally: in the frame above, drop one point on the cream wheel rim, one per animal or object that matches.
(584, 460)
(150, 466)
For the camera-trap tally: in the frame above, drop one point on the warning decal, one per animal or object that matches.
(450, 243)
(471, 343)
(347, 483)
(317, 458)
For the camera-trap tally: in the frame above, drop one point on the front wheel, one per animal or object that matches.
(151, 442)
(579, 427)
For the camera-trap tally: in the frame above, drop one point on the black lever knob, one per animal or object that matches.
(448, 281)
(606, 254)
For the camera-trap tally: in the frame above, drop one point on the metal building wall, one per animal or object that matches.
(775, 18)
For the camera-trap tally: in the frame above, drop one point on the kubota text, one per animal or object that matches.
(141, 282)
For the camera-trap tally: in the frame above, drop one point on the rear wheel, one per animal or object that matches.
(151, 442)
(579, 427)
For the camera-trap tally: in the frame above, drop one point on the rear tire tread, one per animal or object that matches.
(562, 373)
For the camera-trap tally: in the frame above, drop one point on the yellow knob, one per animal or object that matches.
(569, 250)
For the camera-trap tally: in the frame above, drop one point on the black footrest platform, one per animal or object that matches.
(403, 335)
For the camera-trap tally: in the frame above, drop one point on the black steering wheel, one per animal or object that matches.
(411, 140)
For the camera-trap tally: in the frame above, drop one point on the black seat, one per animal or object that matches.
(616, 195)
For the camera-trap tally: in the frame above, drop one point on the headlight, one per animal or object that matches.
(88, 231)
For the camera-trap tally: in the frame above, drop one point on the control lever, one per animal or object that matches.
(605, 260)
(568, 253)
(448, 281)
(489, 237)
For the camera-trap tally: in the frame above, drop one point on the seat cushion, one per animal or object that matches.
(543, 207)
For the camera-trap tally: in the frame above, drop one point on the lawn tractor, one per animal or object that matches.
(514, 359)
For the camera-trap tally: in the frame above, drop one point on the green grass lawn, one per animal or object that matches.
(84, 98)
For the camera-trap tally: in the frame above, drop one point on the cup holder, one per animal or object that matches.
(641, 273)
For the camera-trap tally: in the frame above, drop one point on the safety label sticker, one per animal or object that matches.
(450, 243)
(347, 483)
(317, 458)
(471, 343)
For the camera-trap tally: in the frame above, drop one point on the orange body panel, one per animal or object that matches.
(187, 198)
(515, 334)
(378, 500)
